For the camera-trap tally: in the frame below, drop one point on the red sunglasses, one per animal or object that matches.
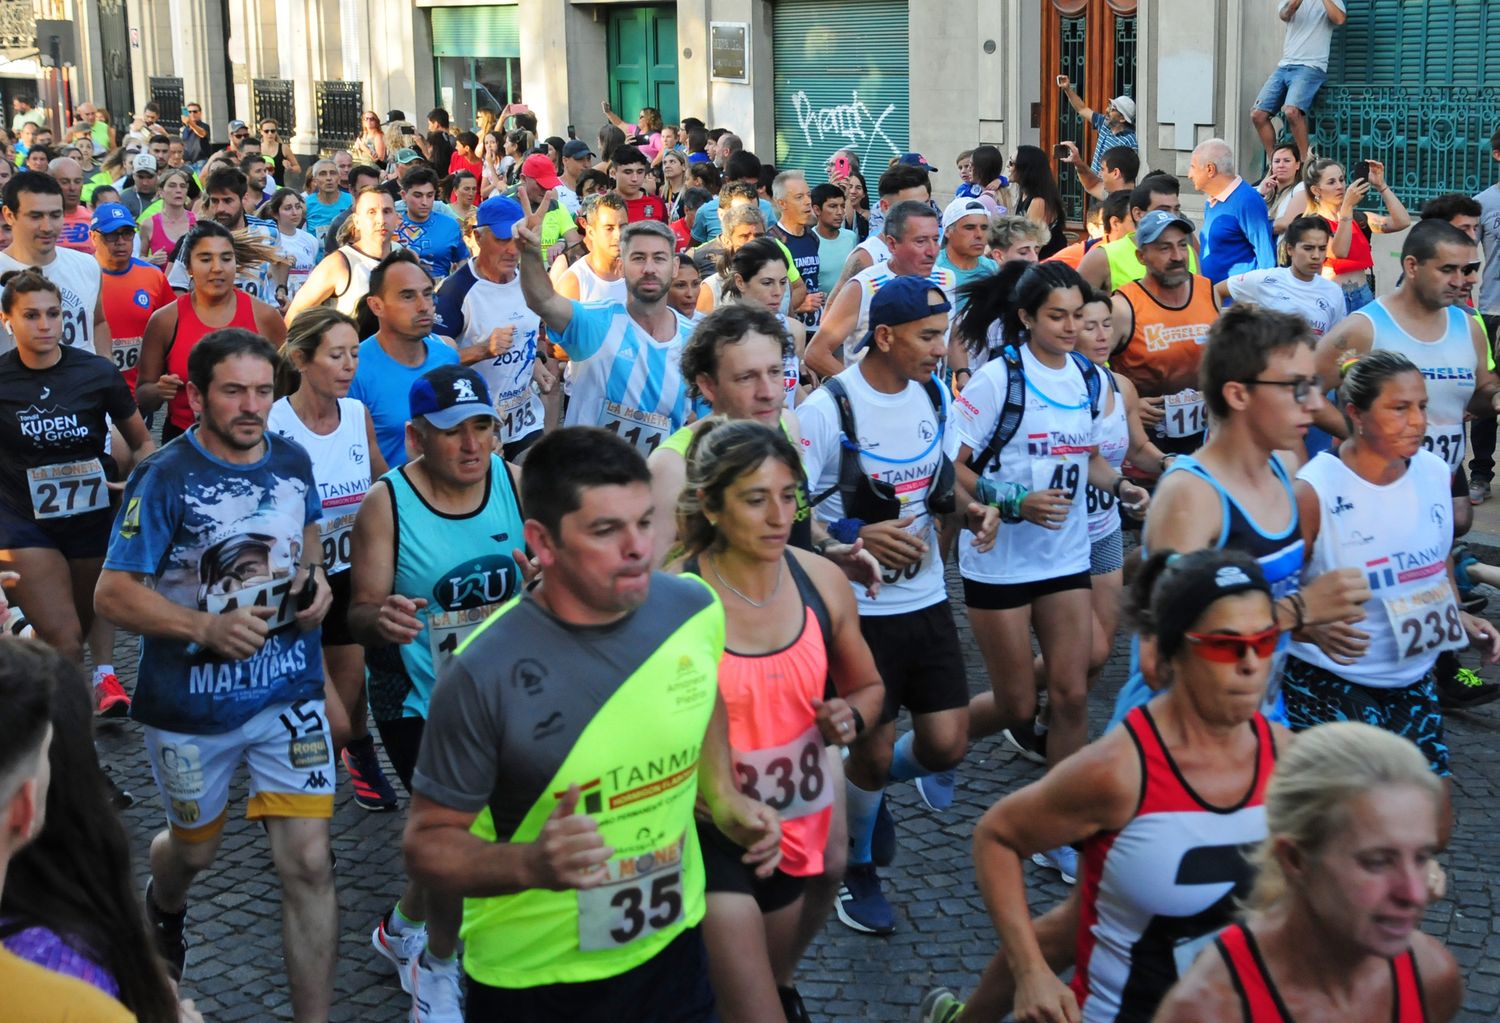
(1230, 647)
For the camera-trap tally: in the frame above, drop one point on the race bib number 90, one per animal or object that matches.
(789, 778)
(642, 895)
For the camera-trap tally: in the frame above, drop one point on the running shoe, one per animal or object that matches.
(434, 991)
(1028, 742)
(861, 905)
(940, 1006)
(372, 791)
(167, 931)
(401, 949)
(883, 840)
(1063, 859)
(1479, 490)
(936, 789)
(791, 1005)
(110, 697)
(1463, 689)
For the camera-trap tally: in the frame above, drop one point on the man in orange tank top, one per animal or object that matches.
(1161, 324)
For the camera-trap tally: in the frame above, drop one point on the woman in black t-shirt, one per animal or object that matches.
(57, 481)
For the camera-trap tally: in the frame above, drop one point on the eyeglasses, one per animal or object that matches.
(1230, 647)
(1301, 386)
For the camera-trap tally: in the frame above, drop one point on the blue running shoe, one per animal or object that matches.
(861, 905)
(936, 790)
(1063, 859)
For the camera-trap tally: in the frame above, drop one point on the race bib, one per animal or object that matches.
(69, 488)
(789, 778)
(895, 576)
(644, 430)
(1427, 621)
(447, 629)
(273, 593)
(642, 895)
(1065, 474)
(517, 415)
(1447, 442)
(127, 352)
(337, 533)
(1099, 501)
(1183, 414)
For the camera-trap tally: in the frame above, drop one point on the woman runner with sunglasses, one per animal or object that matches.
(1380, 505)
(1174, 791)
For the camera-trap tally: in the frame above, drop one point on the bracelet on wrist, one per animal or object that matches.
(1119, 482)
(859, 720)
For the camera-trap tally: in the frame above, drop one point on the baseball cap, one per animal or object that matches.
(392, 116)
(1126, 106)
(499, 213)
(538, 168)
(144, 162)
(235, 126)
(917, 160)
(963, 207)
(1157, 221)
(448, 395)
(407, 155)
(111, 217)
(903, 299)
(577, 149)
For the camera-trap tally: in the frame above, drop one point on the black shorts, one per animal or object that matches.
(515, 449)
(919, 659)
(1008, 596)
(336, 623)
(1460, 487)
(402, 740)
(672, 987)
(76, 538)
(725, 871)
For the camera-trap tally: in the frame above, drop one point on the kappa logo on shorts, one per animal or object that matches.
(316, 781)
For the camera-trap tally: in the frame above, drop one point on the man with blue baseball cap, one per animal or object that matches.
(434, 555)
(481, 309)
(879, 465)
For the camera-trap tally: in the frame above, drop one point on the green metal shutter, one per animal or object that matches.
(1415, 85)
(841, 82)
(475, 32)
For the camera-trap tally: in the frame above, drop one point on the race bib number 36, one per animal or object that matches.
(643, 895)
(71, 488)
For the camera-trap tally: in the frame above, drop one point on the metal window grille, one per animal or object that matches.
(339, 107)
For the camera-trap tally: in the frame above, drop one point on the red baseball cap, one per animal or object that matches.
(538, 167)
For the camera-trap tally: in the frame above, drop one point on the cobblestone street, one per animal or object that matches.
(235, 970)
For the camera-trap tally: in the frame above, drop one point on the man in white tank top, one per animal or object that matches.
(1425, 321)
(596, 277)
(344, 276)
(901, 183)
(34, 210)
(914, 239)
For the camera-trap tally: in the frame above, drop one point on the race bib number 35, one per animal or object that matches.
(643, 895)
(71, 488)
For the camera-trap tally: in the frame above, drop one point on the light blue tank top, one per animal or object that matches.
(461, 564)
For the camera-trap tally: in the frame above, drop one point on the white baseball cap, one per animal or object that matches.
(963, 207)
(1126, 106)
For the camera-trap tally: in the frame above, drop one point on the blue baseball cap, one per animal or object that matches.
(904, 299)
(500, 213)
(110, 217)
(448, 395)
(916, 160)
(1157, 221)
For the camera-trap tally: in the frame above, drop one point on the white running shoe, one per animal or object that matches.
(434, 992)
(401, 949)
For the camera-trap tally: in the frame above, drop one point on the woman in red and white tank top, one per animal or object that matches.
(1346, 871)
(213, 304)
(1159, 808)
(796, 677)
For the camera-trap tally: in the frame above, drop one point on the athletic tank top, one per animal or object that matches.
(341, 467)
(461, 564)
(870, 280)
(593, 288)
(1399, 535)
(1280, 555)
(1156, 891)
(1113, 433)
(358, 286)
(1447, 365)
(773, 733)
(160, 241)
(1162, 356)
(189, 331)
(1262, 1002)
(1125, 266)
(1359, 259)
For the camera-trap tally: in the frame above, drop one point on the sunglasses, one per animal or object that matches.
(1230, 647)
(1301, 386)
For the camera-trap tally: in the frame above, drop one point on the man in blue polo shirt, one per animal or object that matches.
(1236, 232)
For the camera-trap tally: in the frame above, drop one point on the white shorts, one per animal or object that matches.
(288, 749)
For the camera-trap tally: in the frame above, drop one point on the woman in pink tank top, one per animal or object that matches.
(796, 678)
(171, 223)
